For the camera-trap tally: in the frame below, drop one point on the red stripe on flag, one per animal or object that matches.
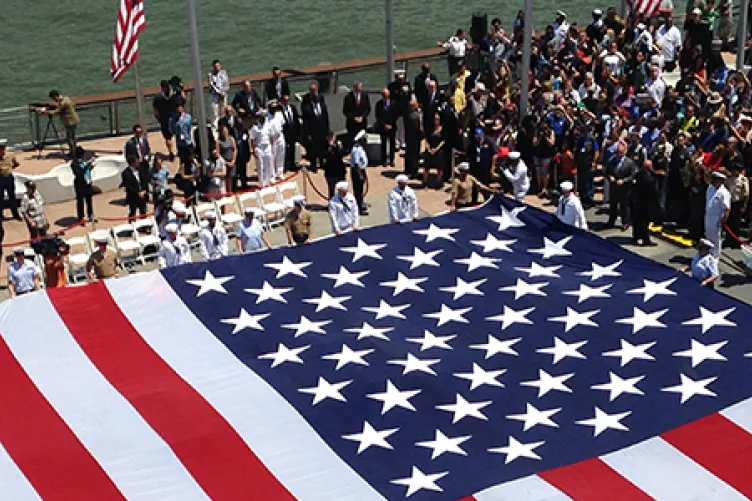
(720, 446)
(41, 444)
(205, 443)
(590, 480)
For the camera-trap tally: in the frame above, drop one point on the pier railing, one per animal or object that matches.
(114, 113)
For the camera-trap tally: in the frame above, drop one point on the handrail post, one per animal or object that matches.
(741, 42)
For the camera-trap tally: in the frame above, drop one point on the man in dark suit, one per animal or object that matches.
(315, 125)
(430, 106)
(645, 206)
(356, 106)
(401, 93)
(240, 133)
(481, 154)
(290, 129)
(276, 86)
(135, 182)
(138, 146)
(620, 173)
(386, 123)
(451, 128)
(420, 85)
(413, 139)
(247, 102)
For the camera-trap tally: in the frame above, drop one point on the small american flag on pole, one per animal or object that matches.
(130, 23)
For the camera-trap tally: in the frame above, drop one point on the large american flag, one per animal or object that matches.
(649, 8)
(489, 354)
(131, 22)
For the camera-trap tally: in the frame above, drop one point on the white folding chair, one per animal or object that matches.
(78, 257)
(251, 199)
(227, 211)
(125, 237)
(190, 228)
(286, 193)
(270, 203)
(147, 234)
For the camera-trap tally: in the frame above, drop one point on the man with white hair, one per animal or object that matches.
(403, 204)
(717, 208)
(570, 210)
(262, 141)
(174, 250)
(516, 173)
(212, 238)
(343, 210)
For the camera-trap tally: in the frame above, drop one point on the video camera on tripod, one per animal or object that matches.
(41, 139)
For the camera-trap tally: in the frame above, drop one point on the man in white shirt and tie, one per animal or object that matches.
(403, 204)
(213, 238)
(569, 210)
(138, 146)
(343, 210)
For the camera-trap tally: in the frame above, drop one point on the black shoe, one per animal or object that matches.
(171, 157)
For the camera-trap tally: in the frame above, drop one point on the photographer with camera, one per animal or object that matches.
(54, 252)
(68, 117)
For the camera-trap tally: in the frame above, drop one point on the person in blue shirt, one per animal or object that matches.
(181, 124)
(82, 183)
(23, 275)
(251, 236)
(704, 267)
(158, 176)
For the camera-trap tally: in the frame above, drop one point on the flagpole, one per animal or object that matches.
(389, 14)
(198, 90)
(140, 96)
(526, 46)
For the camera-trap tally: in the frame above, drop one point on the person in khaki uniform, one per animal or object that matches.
(8, 162)
(103, 263)
(298, 223)
(68, 117)
(462, 188)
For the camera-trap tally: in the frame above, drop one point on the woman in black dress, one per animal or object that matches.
(433, 155)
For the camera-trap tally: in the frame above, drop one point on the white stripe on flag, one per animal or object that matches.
(280, 437)
(664, 473)
(137, 460)
(532, 488)
(13, 483)
(740, 414)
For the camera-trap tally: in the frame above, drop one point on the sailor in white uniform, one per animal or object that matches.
(277, 121)
(174, 250)
(570, 210)
(403, 204)
(213, 238)
(517, 175)
(262, 141)
(717, 207)
(343, 210)
(704, 267)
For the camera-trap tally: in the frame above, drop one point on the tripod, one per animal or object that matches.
(43, 141)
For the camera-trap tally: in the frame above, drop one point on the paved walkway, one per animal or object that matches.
(432, 199)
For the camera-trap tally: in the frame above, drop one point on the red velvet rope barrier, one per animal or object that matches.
(735, 236)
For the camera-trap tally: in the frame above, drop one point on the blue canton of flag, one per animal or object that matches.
(478, 348)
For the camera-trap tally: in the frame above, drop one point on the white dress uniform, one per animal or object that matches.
(704, 267)
(278, 148)
(403, 204)
(570, 211)
(213, 242)
(343, 212)
(262, 135)
(520, 182)
(717, 200)
(174, 252)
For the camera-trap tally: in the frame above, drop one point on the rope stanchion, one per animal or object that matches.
(736, 237)
(82, 222)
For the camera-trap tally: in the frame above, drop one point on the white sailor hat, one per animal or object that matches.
(641, 27)
(696, 11)
(3, 143)
(566, 186)
(464, 167)
(342, 185)
(597, 12)
(716, 174)
(298, 200)
(261, 113)
(561, 13)
(402, 178)
(514, 155)
(210, 214)
(178, 206)
(100, 238)
(704, 242)
(248, 210)
(360, 135)
(400, 72)
(171, 228)
(18, 250)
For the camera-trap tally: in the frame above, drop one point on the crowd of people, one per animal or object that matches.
(600, 110)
